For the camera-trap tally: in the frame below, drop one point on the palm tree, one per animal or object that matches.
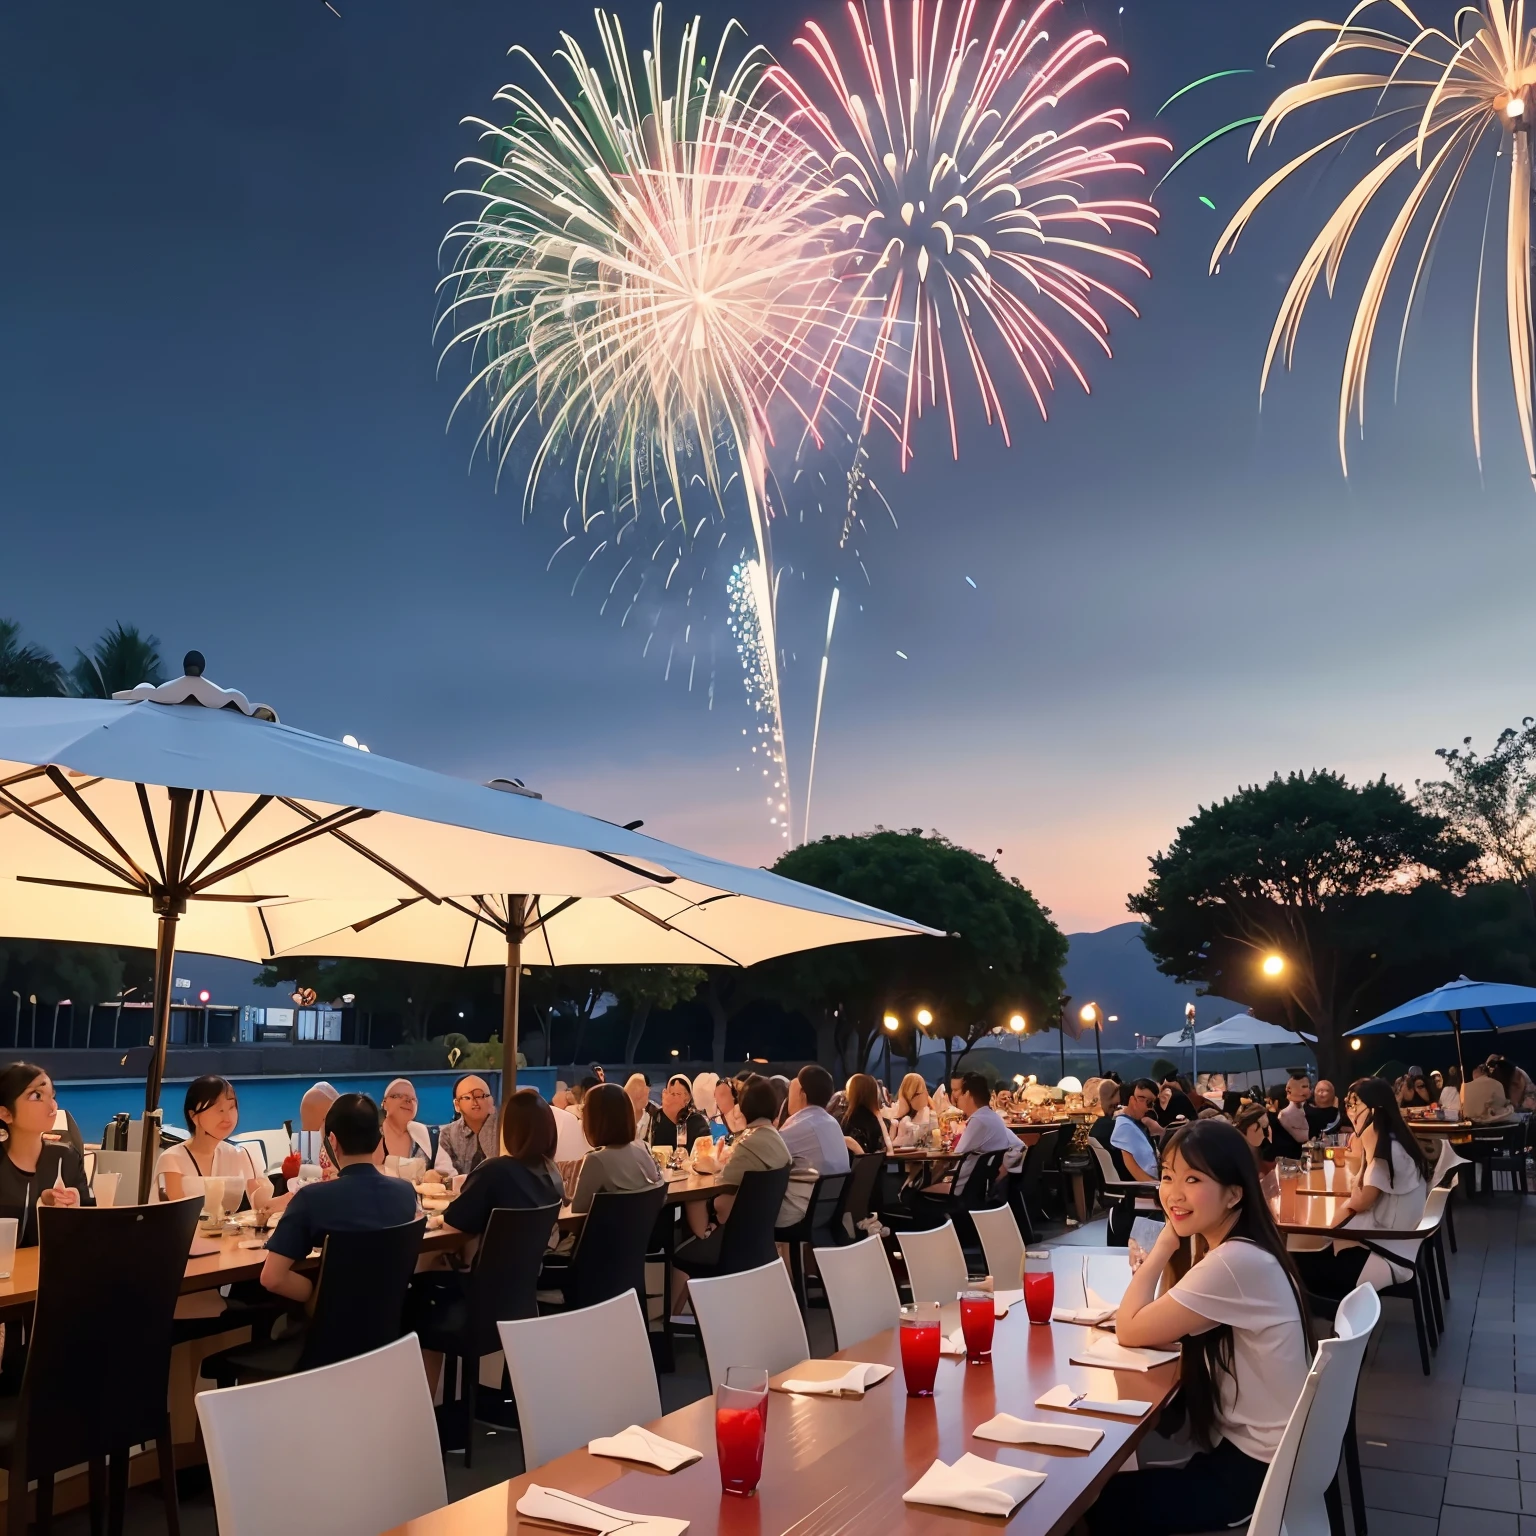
(123, 658)
(26, 671)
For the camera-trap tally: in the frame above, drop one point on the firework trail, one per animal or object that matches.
(961, 154)
(750, 598)
(1438, 107)
(821, 693)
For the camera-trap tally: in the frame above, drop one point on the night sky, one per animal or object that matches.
(220, 419)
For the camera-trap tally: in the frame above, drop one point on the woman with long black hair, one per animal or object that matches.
(1389, 1181)
(1237, 1313)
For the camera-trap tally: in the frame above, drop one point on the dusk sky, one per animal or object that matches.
(221, 419)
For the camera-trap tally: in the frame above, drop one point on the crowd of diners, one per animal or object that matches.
(1219, 1282)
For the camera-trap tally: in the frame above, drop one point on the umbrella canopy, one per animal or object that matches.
(185, 815)
(1244, 1029)
(1460, 1004)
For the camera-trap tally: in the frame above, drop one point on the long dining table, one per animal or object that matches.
(841, 1466)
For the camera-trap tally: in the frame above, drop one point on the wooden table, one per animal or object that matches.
(835, 1466)
(1306, 1208)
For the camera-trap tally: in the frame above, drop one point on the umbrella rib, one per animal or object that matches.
(633, 869)
(43, 799)
(197, 816)
(318, 828)
(70, 793)
(365, 852)
(31, 817)
(661, 922)
(554, 912)
(149, 827)
(82, 885)
(271, 947)
(378, 917)
(251, 812)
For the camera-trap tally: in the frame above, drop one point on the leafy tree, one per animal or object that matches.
(82, 974)
(1325, 873)
(645, 988)
(1001, 954)
(121, 659)
(26, 671)
(1491, 802)
(417, 994)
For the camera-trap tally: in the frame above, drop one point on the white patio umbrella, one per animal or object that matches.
(1241, 1029)
(185, 815)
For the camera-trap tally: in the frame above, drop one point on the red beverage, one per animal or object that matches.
(978, 1317)
(920, 1340)
(741, 1428)
(1039, 1296)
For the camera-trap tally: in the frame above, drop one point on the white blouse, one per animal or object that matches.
(229, 1162)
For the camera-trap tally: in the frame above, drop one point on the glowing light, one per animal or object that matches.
(1088, 1013)
(1516, 108)
(924, 1017)
(1354, 1044)
(1017, 1024)
(1273, 965)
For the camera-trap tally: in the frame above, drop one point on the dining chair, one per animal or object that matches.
(349, 1449)
(1448, 1171)
(1027, 1185)
(861, 1290)
(1420, 1288)
(860, 1197)
(558, 1406)
(502, 1283)
(358, 1307)
(1116, 1191)
(107, 1286)
(270, 1147)
(1003, 1245)
(749, 1318)
(815, 1226)
(935, 1262)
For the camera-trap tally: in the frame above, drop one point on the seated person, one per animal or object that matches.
(985, 1131)
(617, 1161)
(638, 1086)
(470, 1138)
(863, 1130)
(1415, 1093)
(1109, 1102)
(359, 1199)
(1134, 1156)
(677, 1123)
(1324, 1114)
(523, 1177)
(815, 1140)
(1281, 1135)
(1173, 1100)
(212, 1112)
(404, 1135)
(31, 1165)
(1483, 1100)
(728, 1113)
(911, 1115)
(1450, 1094)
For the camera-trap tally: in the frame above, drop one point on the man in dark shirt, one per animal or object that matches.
(360, 1199)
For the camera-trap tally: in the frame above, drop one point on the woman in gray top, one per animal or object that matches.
(617, 1161)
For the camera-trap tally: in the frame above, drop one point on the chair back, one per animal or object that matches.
(935, 1263)
(861, 1290)
(609, 1257)
(1114, 1181)
(360, 1292)
(1003, 1245)
(980, 1177)
(1291, 1499)
(746, 1240)
(858, 1194)
(350, 1449)
(579, 1374)
(107, 1286)
(504, 1281)
(269, 1147)
(749, 1318)
(826, 1200)
(1037, 1159)
(126, 1166)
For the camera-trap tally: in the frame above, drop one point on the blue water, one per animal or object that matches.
(266, 1102)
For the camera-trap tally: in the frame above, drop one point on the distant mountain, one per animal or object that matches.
(1113, 969)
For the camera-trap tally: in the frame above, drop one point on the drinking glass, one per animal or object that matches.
(104, 1187)
(8, 1226)
(741, 1427)
(213, 1200)
(978, 1317)
(1039, 1286)
(920, 1341)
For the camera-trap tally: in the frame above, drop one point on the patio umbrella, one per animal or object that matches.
(186, 815)
(1243, 1029)
(1459, 1006)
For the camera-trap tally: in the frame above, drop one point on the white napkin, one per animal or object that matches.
(1112, 1355)
(552, 1507)
(1011, 1431)
(854, 1382)
(1089, 1317)
(1064, 1397)
(1005, 1299)
(975, 1484)
(639, 1444)
(953, 1343)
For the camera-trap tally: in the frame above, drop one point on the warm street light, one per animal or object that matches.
(1017, 1024)
(891, 1023)
(924, 1017)
(1273, 965)
(1091, 1018)
(1088, 1013)
(1354, 1045)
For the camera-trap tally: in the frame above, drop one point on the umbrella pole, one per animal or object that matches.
(1258, 1056)
(1461, 1065)
(1098, 1044)
(517, 931)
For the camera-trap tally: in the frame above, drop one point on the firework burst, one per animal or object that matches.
(1439, 105)
(962, 154)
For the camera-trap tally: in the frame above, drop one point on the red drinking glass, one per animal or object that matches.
(978, 1317)
(741, 1427)
(1039, 1286)
(920, 1340)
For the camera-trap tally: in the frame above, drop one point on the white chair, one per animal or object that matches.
(1003, 1245)
(935, 1263)
(1143, 1195)
(1420, 1288)
(350, 1449)
(861, 1290)
(557, 1407)
(1291, 1499)
(750, 1318)
(126, 1166)
(268, 1147)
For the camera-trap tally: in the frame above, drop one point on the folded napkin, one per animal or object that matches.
(1002, 1300)
(1065, 1398)
(548, 1506)
(975, 1484)
(1012, 1431)
(1112, 1355)
(639, 1444)
(852, 1383)
(953, 1343)
(1089, 1317)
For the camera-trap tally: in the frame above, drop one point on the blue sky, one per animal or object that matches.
(220, 418)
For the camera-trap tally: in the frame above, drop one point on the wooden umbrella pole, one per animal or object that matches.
(1461, 1065)
(170, 902)
(517, 931)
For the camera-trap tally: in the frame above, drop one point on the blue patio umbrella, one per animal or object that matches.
(1460, 1005)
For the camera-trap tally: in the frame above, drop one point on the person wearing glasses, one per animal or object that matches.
(404, 1135)
(471, 1137)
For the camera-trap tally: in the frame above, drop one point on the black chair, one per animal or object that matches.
(815, 1227)
(1504, 1151)
(746, 1237)
(359, 1306)
(501, 1285)
(97, 1373)
(609, 1256)
(859, 1197)
(1037, 1160)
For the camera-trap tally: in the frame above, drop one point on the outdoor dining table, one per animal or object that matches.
(1306, 1207)
(842, 1464)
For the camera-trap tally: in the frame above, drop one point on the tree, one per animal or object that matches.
(1323, 873)
(645, 988)
(1491, 802)
(121, 659)
(1001, 953)
(418, 994)
(26, 671)
(85, 975)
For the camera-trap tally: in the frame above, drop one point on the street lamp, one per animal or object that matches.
(1273, 965)
(924, 1017)
(1194, 1045)
(1091, 1017)
(890, 1024)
